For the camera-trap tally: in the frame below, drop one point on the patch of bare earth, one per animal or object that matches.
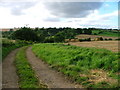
(46, 75)
(9, 76)
(109, 45)
(96, 76)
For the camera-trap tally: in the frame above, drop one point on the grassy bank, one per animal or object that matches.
(27, 78)
(77, 62)
(9, 45)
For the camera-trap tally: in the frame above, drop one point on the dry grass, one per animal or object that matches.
(82, 36)
(109, 45)
(96, 76)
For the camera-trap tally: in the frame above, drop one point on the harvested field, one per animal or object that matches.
(109, 45)
(82, 36)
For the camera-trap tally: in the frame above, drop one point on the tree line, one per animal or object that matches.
(46, 35)
(49, 35)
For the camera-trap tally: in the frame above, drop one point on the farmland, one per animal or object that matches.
(47, 58)
(77, 61)
(109, 45)
(82, 36)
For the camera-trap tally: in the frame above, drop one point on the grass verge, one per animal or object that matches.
(27, 78)
(7, 50)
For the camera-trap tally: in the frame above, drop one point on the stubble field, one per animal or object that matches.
(109, 45)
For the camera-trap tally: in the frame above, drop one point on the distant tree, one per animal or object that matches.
(49, 39)
(87, 31)
(78, 31)
(101, 38)
(11, 29)
(25, 34)
(59, 37)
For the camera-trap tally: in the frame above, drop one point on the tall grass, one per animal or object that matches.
(73, 60)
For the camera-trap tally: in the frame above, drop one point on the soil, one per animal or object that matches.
(109, 45)
(9, 76)
(47, 75)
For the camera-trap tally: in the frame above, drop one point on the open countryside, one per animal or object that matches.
(59, 45)
(68, 58)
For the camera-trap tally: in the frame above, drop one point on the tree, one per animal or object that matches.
(59, 37)
(78, 31)
(49, 39)
(87, 31)
(25, 34)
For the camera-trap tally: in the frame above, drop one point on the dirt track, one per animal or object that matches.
(9, 76)
(51, 78)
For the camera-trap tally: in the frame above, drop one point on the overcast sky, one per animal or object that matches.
(36, 13)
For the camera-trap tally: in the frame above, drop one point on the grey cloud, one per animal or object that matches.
(17, 7)
(72, 9)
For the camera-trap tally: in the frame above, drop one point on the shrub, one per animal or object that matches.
(106, 39)
(87, 39)
(101, 38)
(110, 39)
(117, 39)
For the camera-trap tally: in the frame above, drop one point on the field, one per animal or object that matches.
(109, 45)
(77, 62)
(48, 62)
(106, 33)
(82, 36)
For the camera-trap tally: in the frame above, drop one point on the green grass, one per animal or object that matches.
(8, 45)
(73, 60)
(106, 33)
(27, 78)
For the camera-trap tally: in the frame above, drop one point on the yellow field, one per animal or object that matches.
(110, 45)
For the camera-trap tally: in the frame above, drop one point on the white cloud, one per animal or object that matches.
(95, 20)
(37, 15)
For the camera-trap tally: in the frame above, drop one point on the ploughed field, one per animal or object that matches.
(109, 45)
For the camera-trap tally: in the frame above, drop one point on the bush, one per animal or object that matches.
(49, 40)
(101, 38)
(95, 34)
(87, 39)
(106, 39)
(117, 39)
(110, 39)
